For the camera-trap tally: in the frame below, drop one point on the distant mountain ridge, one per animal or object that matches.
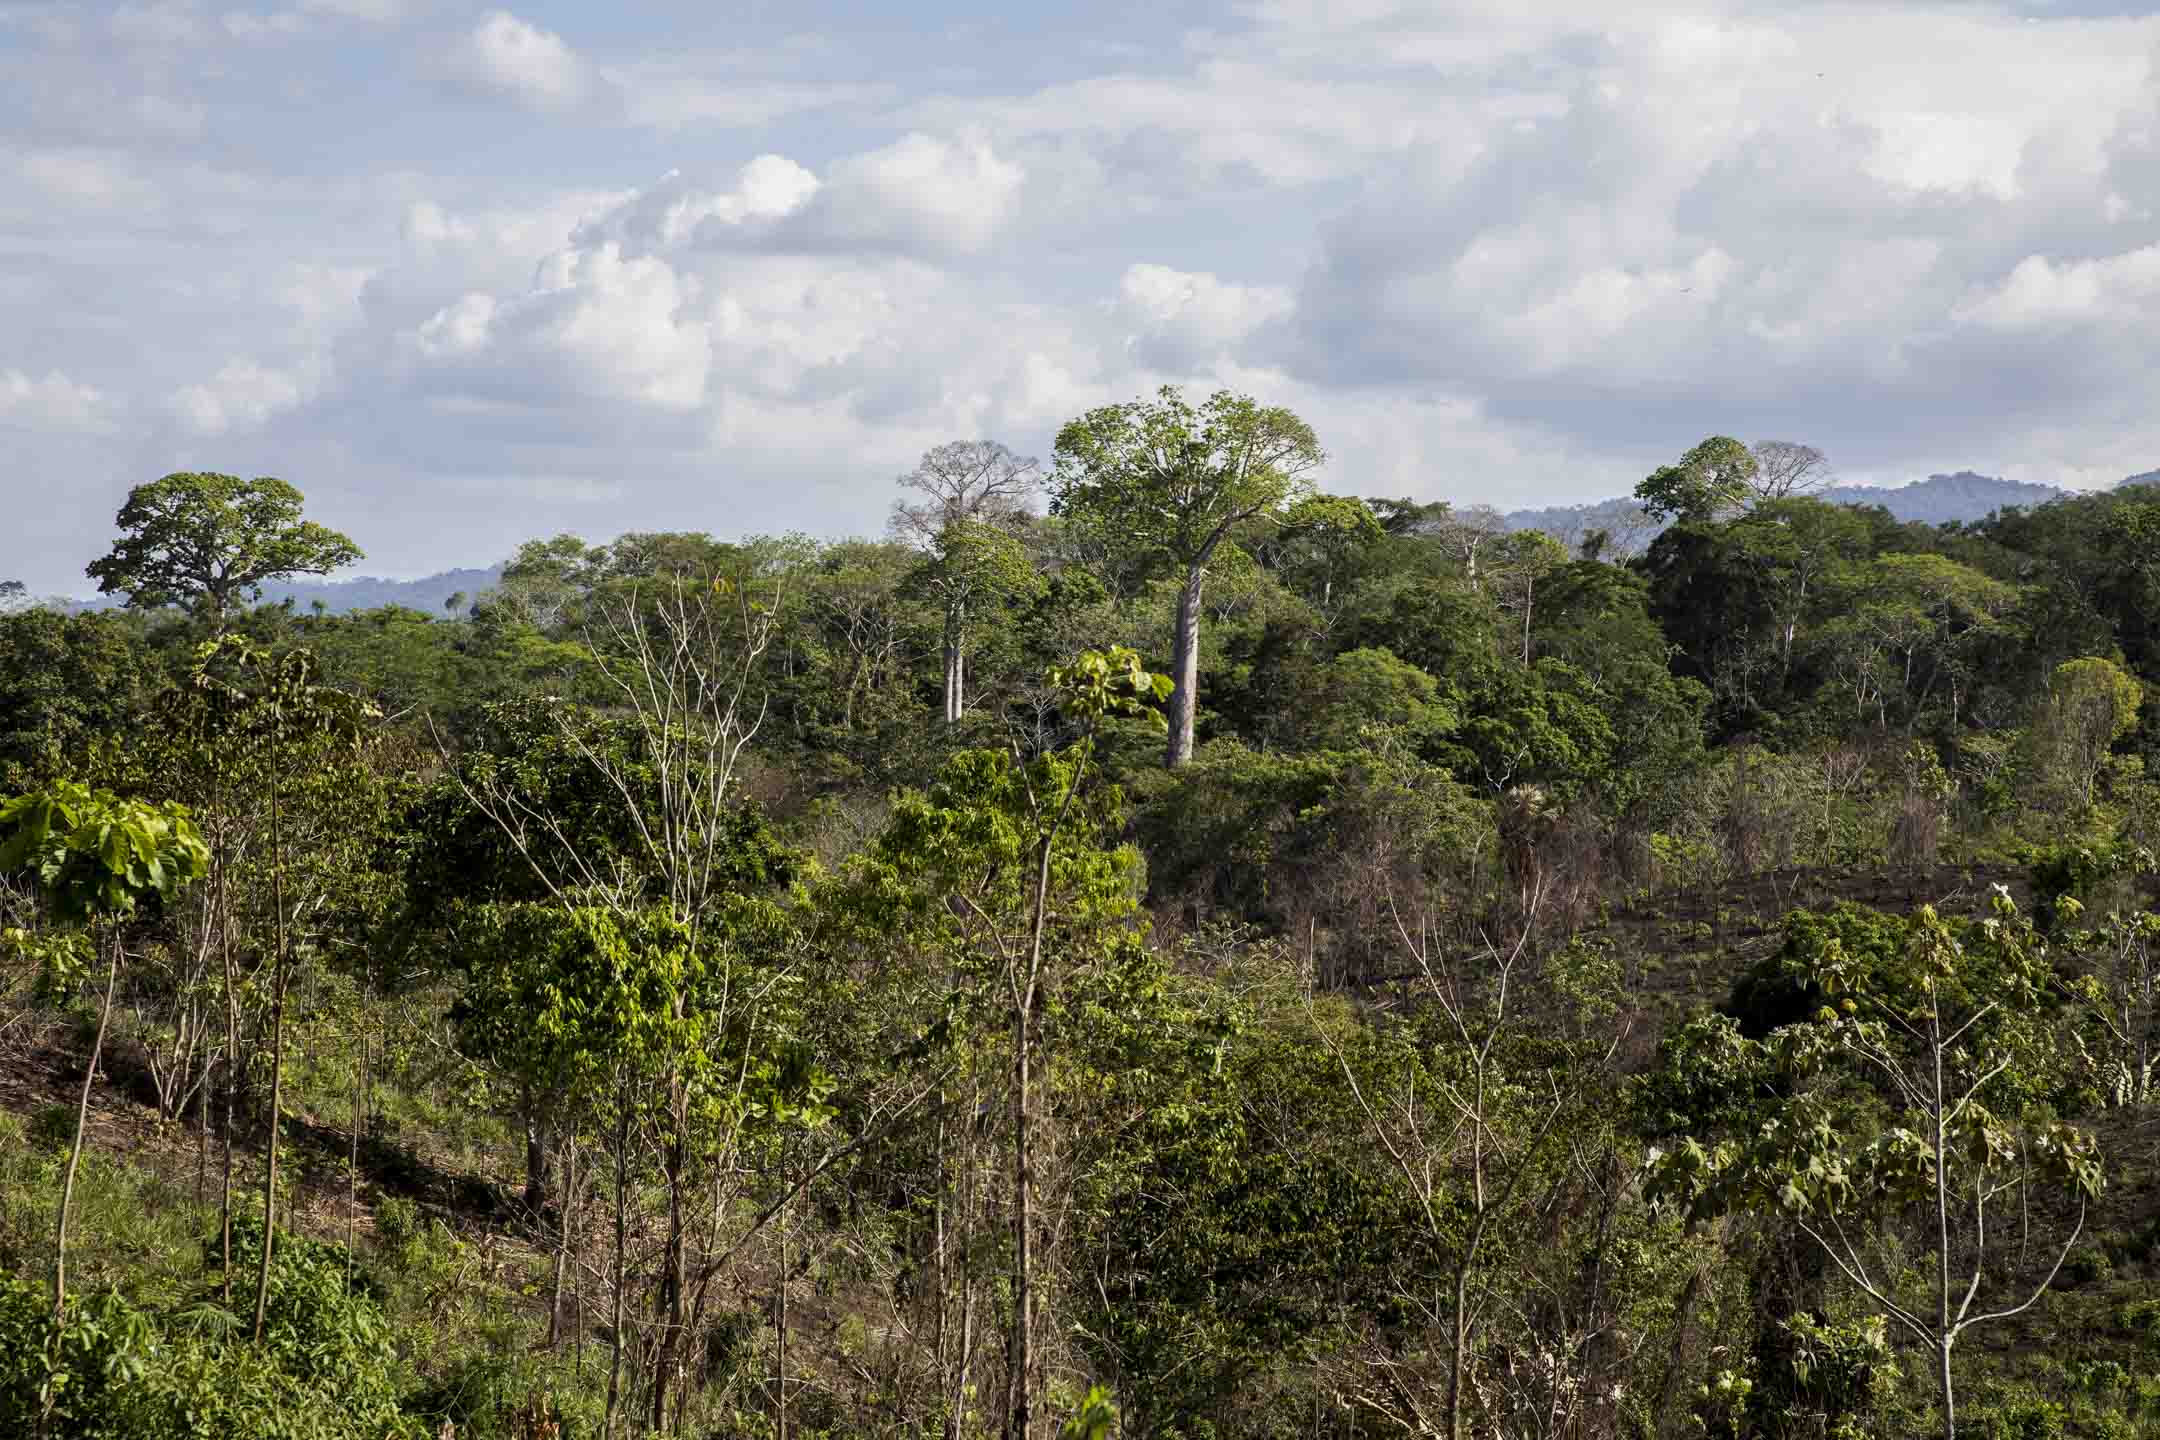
(368, 592)
(1940, 499)
(1966, 496)
(429, 593)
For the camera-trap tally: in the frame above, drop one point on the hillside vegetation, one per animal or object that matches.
(1149, 948)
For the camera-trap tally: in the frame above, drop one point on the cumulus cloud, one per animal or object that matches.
(53, 402)
(595, 326)
(672, 212)
(83, 176)
(921, 194)
(516, 60)
(2045, 294)
(379, 12)
(242, 396)
(1180, 319)
(673, 95)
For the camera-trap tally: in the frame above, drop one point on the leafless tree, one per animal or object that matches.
(1465, 533)
(978, 493)
(1784, 469)
(977, 480)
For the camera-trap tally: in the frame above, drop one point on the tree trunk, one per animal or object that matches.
(1021, 1360)
(536, 1155)
(280, 962)
(562, 1248)
(955, 663)
(82, 1118)
(670, 1307)
(780, 1316)
(1185, 669)
(352, 1174)
(232, 1091)
(277, 1096)
(622, 1234)
(1459, 1361)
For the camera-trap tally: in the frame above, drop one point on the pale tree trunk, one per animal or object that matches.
(620, 1316)
(82, 1120)
(232, 1092)
(1021, 1361)
(538, 1153)
(352, 1173)
(1185, 669)
(1020, 1379)
(955, 663)
(282, 963)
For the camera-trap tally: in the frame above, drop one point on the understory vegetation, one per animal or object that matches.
(1148, 948)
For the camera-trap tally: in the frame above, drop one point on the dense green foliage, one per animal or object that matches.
(765, 986)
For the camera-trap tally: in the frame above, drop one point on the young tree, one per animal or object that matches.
(210, 541)
(99, 860)
(1930, 1046)
(1004, 866)
(1469, 1098)
(296, 732)
(1525, 558)
(2090, 704)
(1173, 482)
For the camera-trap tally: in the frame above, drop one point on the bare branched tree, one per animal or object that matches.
(1784, 469)
(979, 480)
(977, 495)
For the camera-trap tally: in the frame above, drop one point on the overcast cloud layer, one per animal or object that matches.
(468, 275)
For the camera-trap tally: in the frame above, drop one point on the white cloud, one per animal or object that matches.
(379, 12)
(1180, 319)
(242, 396)
(675, 95)
(922, 193)
(91, 178)
(276, 24)
(594, 326)
(670, 214)
(52, 403)
(160, 24)
(457, 329)
(2043, 294)
(519, 61)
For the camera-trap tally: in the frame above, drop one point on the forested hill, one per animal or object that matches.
(1966, 497)
(366, 592)
(429, 593)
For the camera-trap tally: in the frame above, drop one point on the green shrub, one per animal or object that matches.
(2085, 1265)
(53, 1126)
(397, 1220)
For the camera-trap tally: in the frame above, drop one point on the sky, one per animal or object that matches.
(471, 275)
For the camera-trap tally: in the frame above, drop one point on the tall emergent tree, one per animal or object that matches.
(1173, 482)
(976, 495)
(1713, 481)
(210, 541)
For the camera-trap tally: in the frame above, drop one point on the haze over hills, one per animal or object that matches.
(1966, 496)
(358, 592)
(368, 592)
